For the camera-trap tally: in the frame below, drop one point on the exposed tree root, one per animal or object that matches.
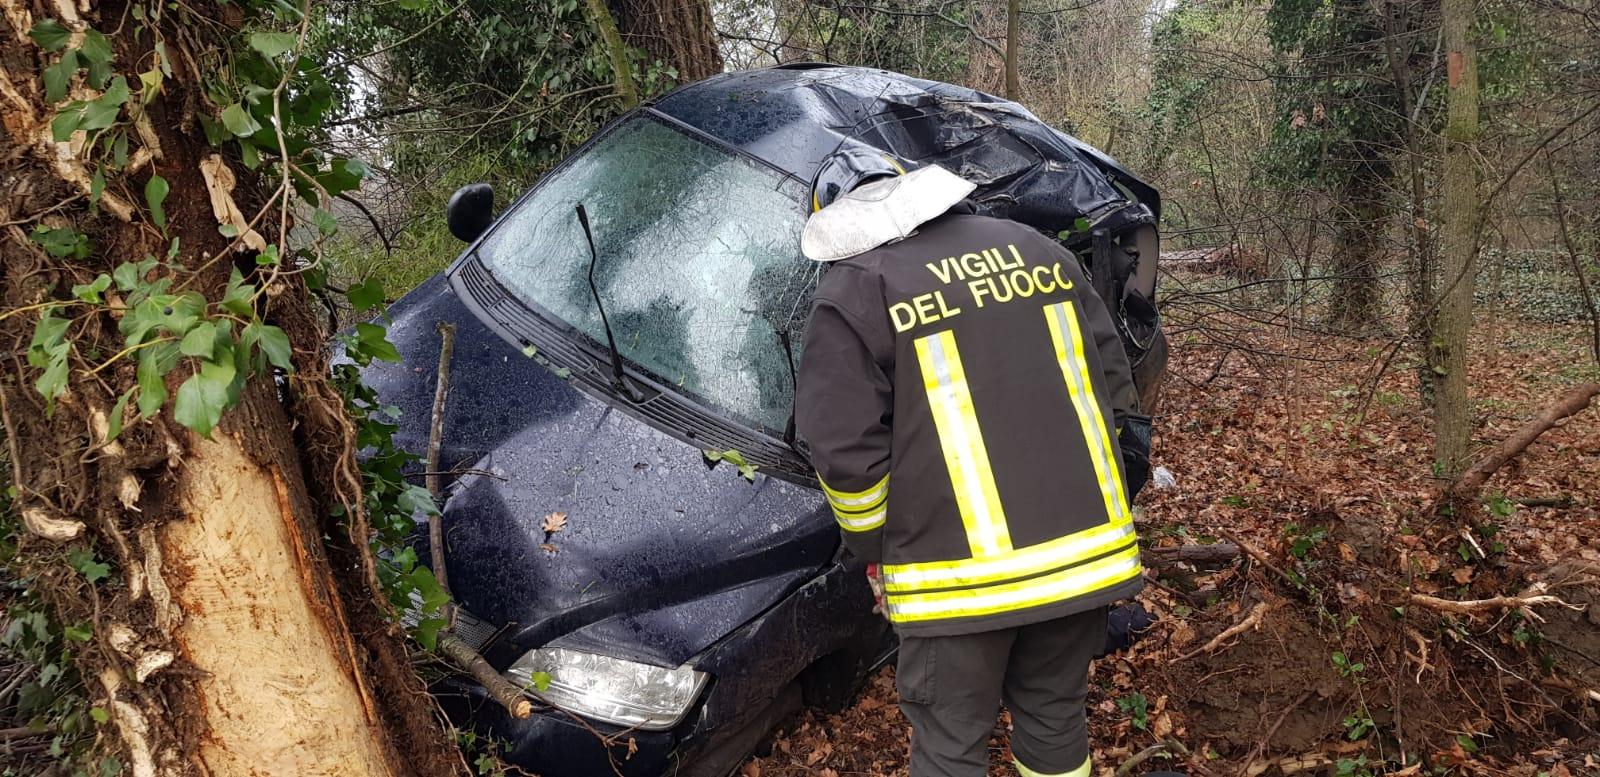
(1526, 601)
(1250, 621)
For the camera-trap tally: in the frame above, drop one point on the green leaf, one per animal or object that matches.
(50, 35)
(237, 119)
(249, 154)
(541, 681)
(366, 295)
(201, 341)
(97, 186)
(272, 44)
(149, 85)
(375, 343)
(58, 77)
(428, 632)
(99, 714)
(155, 193)
(326, 224)
(114, 425)
(90, 292)
(90, 567)
(61, 242)
(96, 48)
(203, 397)
(102, 111)
(67, 121)
(272, 341)
(78, 633)
(236, 298)
(154, 364)
(130, 275)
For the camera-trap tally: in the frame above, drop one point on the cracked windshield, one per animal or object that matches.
(699, 267)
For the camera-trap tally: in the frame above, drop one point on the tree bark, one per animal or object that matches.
(680, 33)
(1013, 21)
(1452, 414)
(1356, 253)
(240, 634)
(621, 70)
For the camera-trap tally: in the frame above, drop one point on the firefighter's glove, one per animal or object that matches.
(875, 582)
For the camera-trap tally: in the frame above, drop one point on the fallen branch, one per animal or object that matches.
(441, 391)
(1250, 621)
(1260, 557)
(1569, 404)
(1146, 754)
(1193, 554)
(500, 689)
(1293, 764)
(1523, 602)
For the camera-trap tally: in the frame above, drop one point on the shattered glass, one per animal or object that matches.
(699, 265)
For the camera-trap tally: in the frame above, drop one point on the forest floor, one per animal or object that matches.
(1278, 440)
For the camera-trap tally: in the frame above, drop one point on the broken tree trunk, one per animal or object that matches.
(238, 631)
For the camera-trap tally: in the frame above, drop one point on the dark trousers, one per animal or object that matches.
(951, 689)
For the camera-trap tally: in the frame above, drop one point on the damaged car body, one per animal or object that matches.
(604, 364)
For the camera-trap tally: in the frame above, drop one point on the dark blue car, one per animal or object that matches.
(686, 606)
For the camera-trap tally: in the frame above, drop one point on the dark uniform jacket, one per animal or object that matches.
(960, 391)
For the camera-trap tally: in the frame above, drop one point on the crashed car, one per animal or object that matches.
(633, 522)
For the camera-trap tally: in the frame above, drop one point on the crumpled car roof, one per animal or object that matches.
(794, 116)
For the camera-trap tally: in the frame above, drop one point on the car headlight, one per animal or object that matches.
(614, 690)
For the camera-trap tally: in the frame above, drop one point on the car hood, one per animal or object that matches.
(578, 524)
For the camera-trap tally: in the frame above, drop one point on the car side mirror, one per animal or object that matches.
(470, 211)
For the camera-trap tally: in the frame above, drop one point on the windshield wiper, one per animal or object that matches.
(618, 381)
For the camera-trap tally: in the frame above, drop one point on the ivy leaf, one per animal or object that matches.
(114, 426)
(343, 175)
(90, 292)
(375, 343)
(96, 48)
(203, 397)
(149, 85)
(99, 714)
(50, 35)
(102, 111)
(366, 295)
(326, 224)
(272, 341)
(201, 341)
(87, 565)
(58, 77)
(78, 633)
(61, 242)
(249, 154)
(272, 44)
(541, 681)
(154, 364)
(236, 298)
(237, 119)
(155, 193)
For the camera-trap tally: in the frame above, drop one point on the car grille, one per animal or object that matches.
(470, 629)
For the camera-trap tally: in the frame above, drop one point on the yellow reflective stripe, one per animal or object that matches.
(857, 499)
(860, 523)
(1032, 560)
(1020, 595)
(1067, 336)
(1082, 771)
(961, 439)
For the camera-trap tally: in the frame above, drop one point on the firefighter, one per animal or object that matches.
(960, 391)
